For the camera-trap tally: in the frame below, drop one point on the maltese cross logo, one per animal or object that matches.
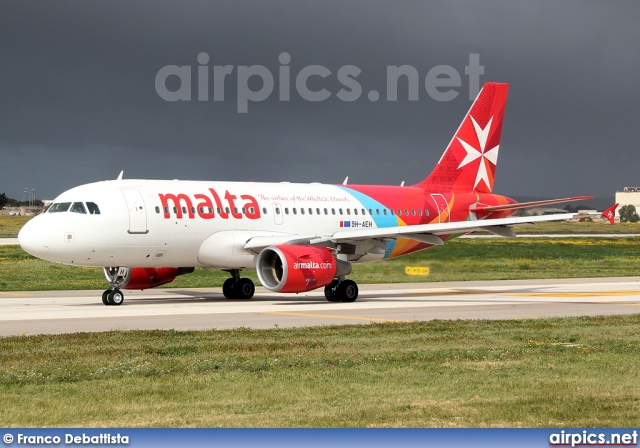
(485, 156)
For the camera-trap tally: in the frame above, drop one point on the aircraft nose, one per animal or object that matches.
(34, 238)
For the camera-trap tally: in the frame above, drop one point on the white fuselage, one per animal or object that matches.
(148, 223)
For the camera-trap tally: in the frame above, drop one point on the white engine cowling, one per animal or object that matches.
(294, 268)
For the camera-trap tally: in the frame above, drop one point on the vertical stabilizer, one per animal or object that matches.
(469, 163)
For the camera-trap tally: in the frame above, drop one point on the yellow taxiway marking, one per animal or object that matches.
(14, 294)
(526, 294)
(578, 294)
(373, 319)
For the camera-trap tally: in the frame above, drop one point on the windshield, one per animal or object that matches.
(59, 207)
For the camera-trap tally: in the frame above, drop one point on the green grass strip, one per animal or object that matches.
(572, 372)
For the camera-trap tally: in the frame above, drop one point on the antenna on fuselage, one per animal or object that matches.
(402, 184)
(120, 175)
(346, 180)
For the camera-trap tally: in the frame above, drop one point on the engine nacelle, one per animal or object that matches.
(293, 268)
(144, 278)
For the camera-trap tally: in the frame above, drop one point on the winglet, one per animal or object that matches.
(610, 213)
(120, 175)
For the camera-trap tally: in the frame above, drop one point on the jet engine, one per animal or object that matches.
(143, 278)
(294, 268)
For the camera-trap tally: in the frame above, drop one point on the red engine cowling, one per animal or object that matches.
(292, 268)
(145, 278)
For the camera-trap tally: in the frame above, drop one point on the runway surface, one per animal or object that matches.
(54, 312)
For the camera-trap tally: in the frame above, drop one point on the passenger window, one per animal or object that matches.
(318, 211)
(166, 210)
(326, 212)
(175, 210)
(348, 211)
(78, 207)
(406, 212)
(264, 210)
(413, 211)
(391, 211)
(420, 212)
(355, 211)
(333, 211)
(340, 210)
(377, 211)
(184, 210)
(302, 210)
(277, 211)
(286, 210)
(426, 212)
(59, 207)
(364, 212)
(93, 208)
(157, 209)
(399, 212)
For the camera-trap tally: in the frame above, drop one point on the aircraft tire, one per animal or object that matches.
(347, 291)
(115, 297)
(244, 289)
(105, 298)
(330, 291)
(228, 289)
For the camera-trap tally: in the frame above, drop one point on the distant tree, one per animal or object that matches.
(577, 208)
(3, 200)
(628, 214)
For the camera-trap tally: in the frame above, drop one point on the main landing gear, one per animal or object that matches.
(341, 291)
(238, 288)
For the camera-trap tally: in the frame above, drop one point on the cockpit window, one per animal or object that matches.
(59, 207)
(78, 207)
(93, 208)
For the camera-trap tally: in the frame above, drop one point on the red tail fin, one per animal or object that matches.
(610, 213)
(469, 163)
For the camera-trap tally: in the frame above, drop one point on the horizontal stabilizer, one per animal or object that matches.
(496, 208)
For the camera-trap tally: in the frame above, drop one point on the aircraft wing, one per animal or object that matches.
(427, 233)
(423, 231)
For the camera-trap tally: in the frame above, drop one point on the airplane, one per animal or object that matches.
(298, 237)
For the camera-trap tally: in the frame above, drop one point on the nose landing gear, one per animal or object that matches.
(116, 277)
(112, 297)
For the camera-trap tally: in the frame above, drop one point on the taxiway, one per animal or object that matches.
(54, 312)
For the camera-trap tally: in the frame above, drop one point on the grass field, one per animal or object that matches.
(462, 259)
(11, 225)
(576, 372)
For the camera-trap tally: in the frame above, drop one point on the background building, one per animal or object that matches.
(628, 196)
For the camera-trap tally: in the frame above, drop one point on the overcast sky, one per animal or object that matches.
(78, 99)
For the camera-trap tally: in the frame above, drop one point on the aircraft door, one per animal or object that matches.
(137, 212)
(443, 206)
(277, 213)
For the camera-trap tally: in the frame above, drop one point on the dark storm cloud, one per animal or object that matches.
(79, 101)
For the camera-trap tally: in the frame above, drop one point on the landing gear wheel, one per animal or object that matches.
(330, 291)
(115, 297)
(105, 298)
(228, 288)
(244, 289)
(347, 291)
